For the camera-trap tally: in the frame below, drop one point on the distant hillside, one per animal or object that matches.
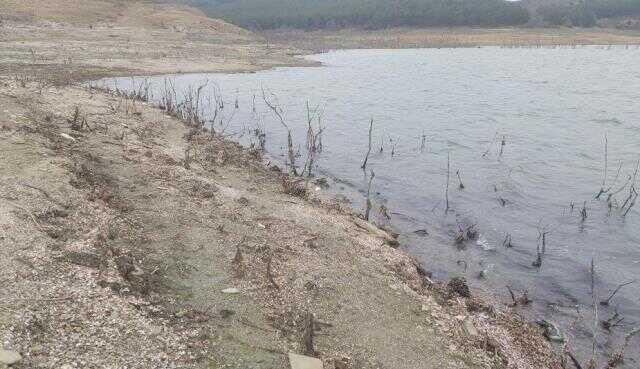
(316, 14)
(144, 14)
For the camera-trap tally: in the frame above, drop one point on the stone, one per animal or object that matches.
(64, 135)
(343, 363)
(304, 362)
(469, 328)
(155, 330)
(231, 290)
(9, 357)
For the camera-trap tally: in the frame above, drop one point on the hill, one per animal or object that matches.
(94, 38)
(139, 14)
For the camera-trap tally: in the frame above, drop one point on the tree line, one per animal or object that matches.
(315, 14)
(374, 14)
(586, 13)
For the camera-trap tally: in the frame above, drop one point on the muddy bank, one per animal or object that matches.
(125, 231)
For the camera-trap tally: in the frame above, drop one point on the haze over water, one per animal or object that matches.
(552, 106)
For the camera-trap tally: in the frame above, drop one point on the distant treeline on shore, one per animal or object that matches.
(375, 14)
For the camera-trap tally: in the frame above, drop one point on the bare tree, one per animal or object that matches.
(366, 158)
(446, 188)
(277, 111)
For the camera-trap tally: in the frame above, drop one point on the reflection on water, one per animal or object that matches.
(525, 132)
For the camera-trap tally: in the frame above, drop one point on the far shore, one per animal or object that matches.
(324, 40)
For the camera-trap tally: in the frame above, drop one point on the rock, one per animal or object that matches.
(469, 328)
(343, 363)
(322, 183)
(231, 290)
(9, 357)
(551, 330)
(226, 313)
(304, 362)
(64, 135)
(371, 228)
(459, 286)
(155, 330)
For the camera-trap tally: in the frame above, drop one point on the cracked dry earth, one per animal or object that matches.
(120, 228)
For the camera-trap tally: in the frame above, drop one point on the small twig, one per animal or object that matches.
(608, 300)
(490, 144)
(366, 158)
(270, 274)
(307, 339)
(461, 185)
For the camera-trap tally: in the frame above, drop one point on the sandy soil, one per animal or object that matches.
(129, 239)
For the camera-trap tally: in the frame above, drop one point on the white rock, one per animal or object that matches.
(155, 330)
(304, 362)
(231, 290)
(8, 357)
(469, 328)
(64, 135)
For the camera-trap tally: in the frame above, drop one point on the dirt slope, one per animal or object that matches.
(141, 14)
(70, 40)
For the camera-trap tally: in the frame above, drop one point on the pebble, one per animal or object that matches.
(64, 135)
(304, 362)
(155, 330)
(469, 328)
(9, 357)
(231, 290)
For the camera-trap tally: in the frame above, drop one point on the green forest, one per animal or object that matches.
(375, 14)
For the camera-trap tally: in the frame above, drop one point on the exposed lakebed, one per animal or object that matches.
(552, 107)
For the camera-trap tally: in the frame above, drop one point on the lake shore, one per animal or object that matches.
(127, 231)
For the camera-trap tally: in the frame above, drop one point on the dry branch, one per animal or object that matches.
(366, 158)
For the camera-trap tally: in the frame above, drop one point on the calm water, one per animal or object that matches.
(552, 106)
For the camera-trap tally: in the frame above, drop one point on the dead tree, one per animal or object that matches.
(541, 247)
(593, 360)
(368, 201)
(446, 188)
(277, 111)
(366, 158)
(460, 185)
